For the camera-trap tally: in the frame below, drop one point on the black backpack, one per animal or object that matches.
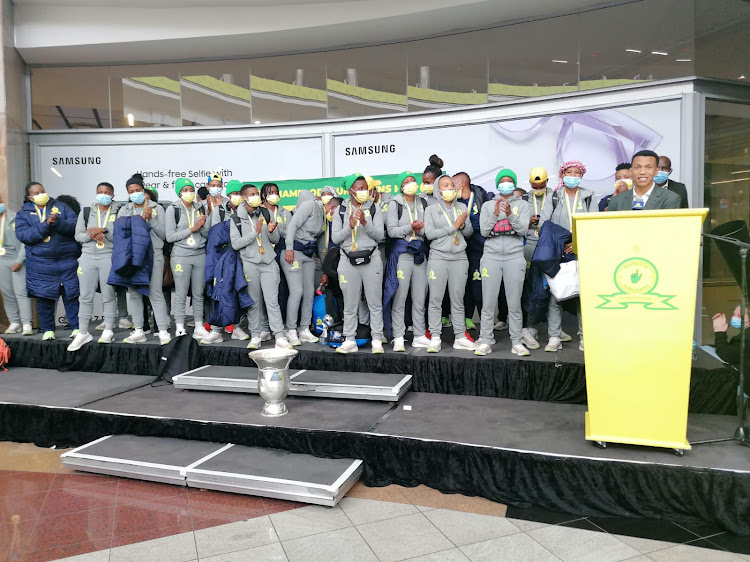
(179, 356)
(238, 222)
(556, 200)
(401, 207)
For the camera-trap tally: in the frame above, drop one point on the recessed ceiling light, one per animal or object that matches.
(560, 61)
(632, 51)
(257, 122)
(662, 53)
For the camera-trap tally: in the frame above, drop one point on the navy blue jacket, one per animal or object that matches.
(50, 265)
(132, 255)
(226, 285)
(547, 258)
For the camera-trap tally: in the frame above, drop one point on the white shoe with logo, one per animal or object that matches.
(108, 336)
(528, 339)
(239, 334)
(565, 337)
(254, 343)
(124, 324)
(399, 344)
(464, 343)
(377, 347)
(164, 337)
(137, 336)
(349, 347)
(79, 341)
(28, 330)
(14, 328)
(213, 338)
(200, 333)
(305, 336)
(483, 349)
(291, 335)
(554, 344)
(422, 342)
(500, 326)
(101, 326)
(283, 343)
(265, 336)
(435, 345)
(519, 349)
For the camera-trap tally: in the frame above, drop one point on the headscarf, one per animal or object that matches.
(570, 164)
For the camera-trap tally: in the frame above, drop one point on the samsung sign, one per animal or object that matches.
(76, 161)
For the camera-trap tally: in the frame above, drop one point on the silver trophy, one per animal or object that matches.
(327, 323)
(273, 378)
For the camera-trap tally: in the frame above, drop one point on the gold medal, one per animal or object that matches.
(191, 240)
(262, 250)
(456, 241)
(2, 251)
(353, 247)
(46, 239)
(100, 245)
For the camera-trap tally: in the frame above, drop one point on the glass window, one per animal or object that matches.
(538, 58)
(727, 196)
(145, 95)
(289, 88)
(368, 81)
(69, 98)
(723, 39)
(448, 71)
(636, 42)
(215, 93)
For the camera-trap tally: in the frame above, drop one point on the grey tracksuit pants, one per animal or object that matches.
(263, 286)
(353, 280)
(155, 296)
(554, 317)
(93, 273)
(453, 274)
(414, 277)
(301, 282)
(13, 289)
(186, 269)
(494, 272)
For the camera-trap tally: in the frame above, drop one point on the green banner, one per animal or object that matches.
(289, 190)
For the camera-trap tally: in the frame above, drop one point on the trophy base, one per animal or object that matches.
(274, 410)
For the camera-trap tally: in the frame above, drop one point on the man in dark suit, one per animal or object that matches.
(645, 195)
(662, 180)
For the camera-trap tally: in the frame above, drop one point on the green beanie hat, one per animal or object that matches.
(233, 186)
(154, 194)
(506, 172)
(402, 176)
(180, 183)
(347, 182)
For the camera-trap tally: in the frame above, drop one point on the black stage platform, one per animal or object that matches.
(545, 377)
(516, 452)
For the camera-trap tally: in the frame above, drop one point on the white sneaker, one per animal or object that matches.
(554, 344)
(421, 342)
(435, 345)
(580, 346)
(164, 337)
(500, 326)
(100, 327)
(265, 336)
(291, 335)
(399, 344)
(79, 341)
(14, 328)
(565, 337)
(254, 343)
(483, 349)
(519, 349)
(179, 332)
(305, 336)
(125, 324)
(136, 337)
(200, 333)
(213, 337)
(377, 347)
(239, 334)
(108, 336)
(191, 324)
(74, 333)
(350, 347)
(464, 343)
(28, 330)
(528, 339)
(534, 333)
(283, 343)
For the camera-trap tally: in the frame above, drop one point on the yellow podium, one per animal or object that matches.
(639, 276)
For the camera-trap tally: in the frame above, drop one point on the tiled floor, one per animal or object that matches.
(47, 513)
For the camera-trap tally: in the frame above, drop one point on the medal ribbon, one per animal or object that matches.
(252, 225)
(450, 223)
(99, 218)
(190, 216)
(356, 227)
(412, 218)
(42, 215)
(575, 206)
(2, 230)
(537, 211)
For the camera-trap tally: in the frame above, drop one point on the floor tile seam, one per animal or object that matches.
(36, 519)
(696, 534)
(518, 530)
(367, 543)
(541, 545)
(707, 539)
(278, 538)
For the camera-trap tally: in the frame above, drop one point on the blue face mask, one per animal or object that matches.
(2, 208)
(571, 181)
(661, 177)
(104, 199)
(138, 197)
(505, 188)
(735, 322)
(214, 191)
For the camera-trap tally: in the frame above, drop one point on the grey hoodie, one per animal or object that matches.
(440, 233)
(307, 223)
(88, 245)
(368, 236)
(179, 233)
(247, 242)
(504, 246)
(401, 228)
(157, 224)
(14, 250)
(559, 215)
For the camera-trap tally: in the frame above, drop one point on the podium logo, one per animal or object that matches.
(636, 280)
